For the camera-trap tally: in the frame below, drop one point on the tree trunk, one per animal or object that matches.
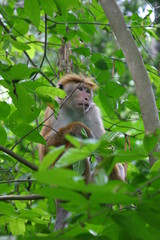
(136, 66)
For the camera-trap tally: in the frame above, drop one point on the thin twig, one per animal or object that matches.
(52, 67)
(26, 54)
(143, 46)
(45, 47)
(96, 23)
(116, 124)
(50, 128)
(41, 42)
(146, 185)
(64, 23)
(17, 181)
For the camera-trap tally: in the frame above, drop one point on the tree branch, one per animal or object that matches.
(18, 158)
(136, 66)
(20, 197)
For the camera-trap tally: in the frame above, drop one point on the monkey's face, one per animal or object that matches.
(80, 97)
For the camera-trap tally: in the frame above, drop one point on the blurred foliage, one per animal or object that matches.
(41, 40)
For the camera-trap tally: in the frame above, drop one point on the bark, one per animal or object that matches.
(136, 66)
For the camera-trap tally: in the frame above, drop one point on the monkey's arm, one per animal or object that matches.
(46, 130)
(74, 129)
(57, 139)
(93, 120)
(118, 172)
(49, 122)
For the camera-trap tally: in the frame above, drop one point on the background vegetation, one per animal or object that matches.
(39, 42)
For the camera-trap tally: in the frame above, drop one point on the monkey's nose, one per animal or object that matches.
(86, 97)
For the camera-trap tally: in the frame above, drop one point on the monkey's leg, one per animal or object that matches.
(61, 217)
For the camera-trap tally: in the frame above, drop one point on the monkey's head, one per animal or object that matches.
(79, 91)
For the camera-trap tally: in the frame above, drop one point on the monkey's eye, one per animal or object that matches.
(60, 86)
(80, 88)
(88, 91)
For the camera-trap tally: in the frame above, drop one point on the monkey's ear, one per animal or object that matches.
(60, 86)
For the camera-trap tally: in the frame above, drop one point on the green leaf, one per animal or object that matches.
(127, 156)
(17, 226)
(21, 71)
(16, 117)
(20, 28)
(110, 136)
(99, 61)
(74, 155)
(101, 64)
(51, 92)
(96, 57)
(79, 167)
(24, 103)
(60, 177)
(6, 208)
(71, 156)
(6, 42)
(150, 142)
(5, 72)
(48, 6)
(82, 51)
(155, 77)
(151, 214)
(33, 11)
(156, 166)
(129, 221)
(20, 45)
(17, 72)
(133, 104)
(103, 76)
(22, 129)
(120, 67)
(32, 85)
(65, 6)
(112, 192)
(108, 103)
(51, 157)
(94, 229)
(3, 136)
(114, 89)
(62, 194)
(4, 110)
(88, 28)
(35, 215)
(74, 141)
(83, 36)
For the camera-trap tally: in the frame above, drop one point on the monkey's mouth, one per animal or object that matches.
(86, 105)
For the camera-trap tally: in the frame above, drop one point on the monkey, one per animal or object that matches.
(76, 111)
(77, 106)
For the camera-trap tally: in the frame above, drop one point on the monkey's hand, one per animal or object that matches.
(74, 129)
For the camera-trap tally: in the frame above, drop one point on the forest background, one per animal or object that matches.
(40, 41)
